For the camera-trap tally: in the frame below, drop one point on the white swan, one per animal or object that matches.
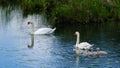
(82, 45)
(41, 30)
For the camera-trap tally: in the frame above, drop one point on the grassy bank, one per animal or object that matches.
(61, 12)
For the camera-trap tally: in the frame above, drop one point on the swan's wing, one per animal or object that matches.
(84, 45)
(102, 52)
(43, 31)
(87, 44)
(81, 46)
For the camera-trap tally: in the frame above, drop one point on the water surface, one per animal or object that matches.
(56, 50)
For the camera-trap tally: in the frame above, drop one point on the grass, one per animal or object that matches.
(61, 12)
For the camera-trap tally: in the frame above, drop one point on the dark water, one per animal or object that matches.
(54, 51)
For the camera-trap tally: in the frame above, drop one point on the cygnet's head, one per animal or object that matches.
(91, 49)
(30, 22)
(76, 33)
(97, 49)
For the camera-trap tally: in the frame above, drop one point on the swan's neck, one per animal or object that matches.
(97, 51)
(78, 40)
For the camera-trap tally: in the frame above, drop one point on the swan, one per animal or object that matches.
(78, 51)
(101, 53)
(41, 30)
(96, 53)
(91, 53)
(83, 53)
(82, 45)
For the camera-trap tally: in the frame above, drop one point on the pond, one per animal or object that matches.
(56, 50)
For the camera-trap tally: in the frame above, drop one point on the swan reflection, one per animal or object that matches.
(32, 41)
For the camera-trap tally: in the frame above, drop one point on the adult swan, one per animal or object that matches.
(41, 30)
(82, 45)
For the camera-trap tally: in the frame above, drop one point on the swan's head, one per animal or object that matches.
(30, 22)
(76, 33)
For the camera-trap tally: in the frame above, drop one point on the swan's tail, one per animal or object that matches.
(92, 45)
(53, 30)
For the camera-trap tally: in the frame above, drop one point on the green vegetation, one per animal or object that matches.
(10, 2)
(61, 12)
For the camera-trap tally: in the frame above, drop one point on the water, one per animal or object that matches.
(54, 51)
